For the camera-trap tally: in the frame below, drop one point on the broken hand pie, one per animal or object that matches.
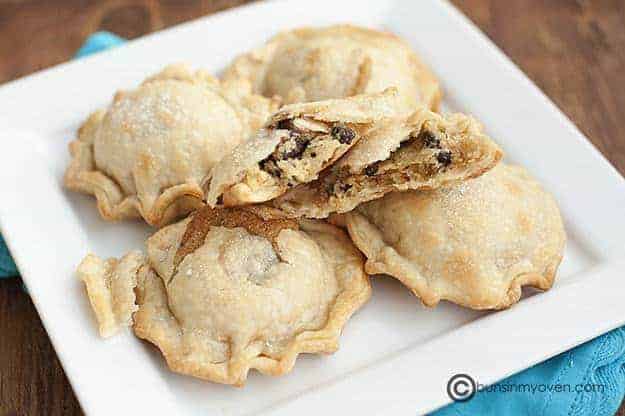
(313, 64)
(148, 152)
(424, 151)
(297, 143)
(475, 244)
(224, 291)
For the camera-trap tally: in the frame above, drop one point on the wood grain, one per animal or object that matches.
(32, 381)
(573, 50)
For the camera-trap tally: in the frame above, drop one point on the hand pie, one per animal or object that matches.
(475, 243)
(297, 143)
(148, 152)
(224, 291)
(426, 151)
(310, 64)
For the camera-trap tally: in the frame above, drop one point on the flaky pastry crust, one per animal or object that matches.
(298, 142)
(110, 285)
(225, 291)
(312, 64)
(424, 151)
(146, 155)
(475, 244)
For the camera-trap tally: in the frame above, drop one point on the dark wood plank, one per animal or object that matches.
(573, 50)
(32, 381)
(36, 34)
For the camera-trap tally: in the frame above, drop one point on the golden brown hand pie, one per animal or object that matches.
(297, 143)
(312, 64)
(224, 291)
(148, 152)
(475, 244)
(424, 151)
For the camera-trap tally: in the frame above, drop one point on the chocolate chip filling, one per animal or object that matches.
(343, 134)
(429, 139)
(285, 124)
(413, 149)
(345, 187)
(291, 148)
(294, 147)
(329, 188)
(444, 157)
(269, 165)
(372, 169)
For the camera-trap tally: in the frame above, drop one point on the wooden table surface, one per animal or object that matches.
(573, 50)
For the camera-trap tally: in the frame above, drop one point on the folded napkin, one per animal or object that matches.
(586, 381)
(7, 266)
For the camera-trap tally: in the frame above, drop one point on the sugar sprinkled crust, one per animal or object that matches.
(298, 142)
(225, 291)
(145, 156)
(475, 244)
(110, 285)
(424, 151)
(312, 64)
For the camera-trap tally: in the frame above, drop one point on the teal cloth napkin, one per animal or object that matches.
(7, 266)
(586, 381)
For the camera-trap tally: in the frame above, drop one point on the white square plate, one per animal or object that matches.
(396, 356)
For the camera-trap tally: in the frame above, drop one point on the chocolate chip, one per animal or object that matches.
(444, 157)
(313, 155)
(372, 169)
(297, 145)
(344, 187)
(269, 166)
(284, 124)
(430, 140)
(329, 188)
(343, 134)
